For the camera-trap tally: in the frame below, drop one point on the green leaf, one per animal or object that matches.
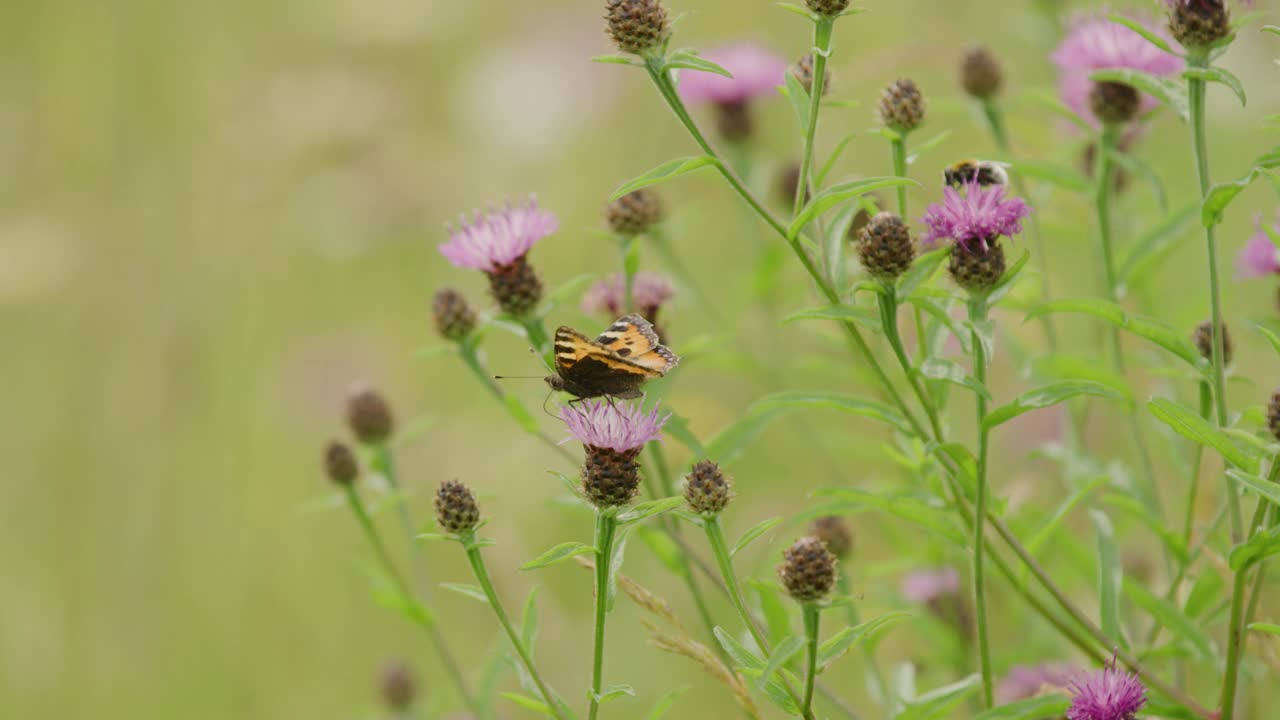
(471, 591)
(1052, 103)
(927, 145)
(649, 509)
(939, 703)
(615, 691)
(1168, 616)
(1204, 593)
(529, 703)
(1036, 708)
(1218, 75)
(521, 415)
(1006, 281)
(666, 171)
(1147, 328)
(615, 562)
(1189, 424)
(560, 552)
(678, 427)
(1220, 196)
(739, 654)
(1154, 245)
(837, 194)
(664, 704)
(1271, 337)
(689, 60)
(933, 517)
(784, 651)
(1109, 577)
(830, 164)
(1267, 490)
(799, 98)
(847, 404)
(841, 313)
(618, 60)
(1267, 628)
(1138, 167)
(1049, 395)
(1141, 28)
(1046, 530)
(842, 642)
(1261, 546)
(922, 270)
(1271, 29)
(529, 621)
(1166, 91)
(668, 552)
(755, 532)
(952, 372)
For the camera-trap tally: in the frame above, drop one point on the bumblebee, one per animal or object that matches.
(983, 172)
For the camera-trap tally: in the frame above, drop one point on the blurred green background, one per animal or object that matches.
(215, 217)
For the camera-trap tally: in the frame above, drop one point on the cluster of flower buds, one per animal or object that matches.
(808, 570)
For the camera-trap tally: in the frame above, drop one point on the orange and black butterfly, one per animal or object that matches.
(615, 364)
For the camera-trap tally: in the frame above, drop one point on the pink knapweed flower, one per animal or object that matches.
(649, 291)
(1096, 43)
(974, 218)
(1259, 257)
(498, 238)
(613, 426)
(1028, 681)
(756, 72)
(1109, 694)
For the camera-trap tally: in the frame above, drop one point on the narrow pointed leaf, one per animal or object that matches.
(837, 194)
(1189, 424)
(666, 171)
(1050, 395)
(755, 532)
(560, 552)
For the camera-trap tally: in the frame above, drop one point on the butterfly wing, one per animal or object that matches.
(632, 338)
(592, 370)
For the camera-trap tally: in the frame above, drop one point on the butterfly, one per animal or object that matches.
(615, 364)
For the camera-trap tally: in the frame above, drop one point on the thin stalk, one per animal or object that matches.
(606, 527)
(1200, 146)
(1206, 412)
(888, 303)
(627, 246)
(526, 655)
(822, 31)
(538, 338)
(469, 356)
(1258, 583)
(402, 586)
(851, 611)
(812, 616)
(978, 314)
(899, 150)
(383, 462)
(1236, 640)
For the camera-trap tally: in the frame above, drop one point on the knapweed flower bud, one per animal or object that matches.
(1273, 415)
(885, 247)
(835, 532)
(977, 269)
(1203, 338)
(454, 317)
(1114, 103)
(497, 243)
(634, 213)
(636, 26)
(981, 73)
(829, 8)
(456, 509)
(707, 489)
(340, 464)
(902, 106)
(398, 686)
(516, 287)
(369, 416)
(1198, 23)
(939, 590)
(803, 70)
(808, 570)
(612, 436)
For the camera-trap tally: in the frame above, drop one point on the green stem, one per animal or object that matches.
(978, 314)
(1206, 412)
(851, 611)
(812, 616)
(1196, 98)
(899, 146)
(1236, 628)
(538, 338)
(628, 246)
(526, 656)
(467, 350)
(606, 527)
(406, 592)
(822, 31)
(888, 303)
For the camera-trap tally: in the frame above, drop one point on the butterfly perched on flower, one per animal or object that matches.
(615, 364)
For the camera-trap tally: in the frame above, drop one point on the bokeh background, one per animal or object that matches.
(215, 217)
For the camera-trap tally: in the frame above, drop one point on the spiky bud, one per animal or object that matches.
(1114, 103)
(803, 70)
(634, 213)
(340, 464)
(516, 287)
(454, 317)
(977, 270)
(1273, 415)
(369, 416)
(981, 73)
(636, 26)
(885, 247)
(1199, 23)
(902, 105)
(1203, 338)
(399, 687)
(708, 489)
(829, 8)
(456, 509)
(808, 570)
(835, 532)
(610, 478)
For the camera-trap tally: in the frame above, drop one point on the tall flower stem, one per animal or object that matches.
(628, 246)
(877, 676)
(525, 653)
(898, 145)
(467, 351)
(606, 528)
(420, 612)
(888, 302)
(1199, 59)
(538, 337)
(822, 31)
(715, 537)
(978, 314)
(812, 616)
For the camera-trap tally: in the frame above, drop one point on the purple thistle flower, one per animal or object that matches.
(498, 238)
(756, 72)
(1028, 681)
(924, 586)
(1096, 43)
(1109, 694)
(1259, 257)
(613, 426)
(1175, 4)
(650, 292)
(979, 214)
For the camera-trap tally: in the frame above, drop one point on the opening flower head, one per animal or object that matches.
(649, 291)
(923, 586)
(609, 425)
(1109, 694)
(974, 218)
(498, 238)
(1259, 257)
(756, 72)
(1097, 43)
